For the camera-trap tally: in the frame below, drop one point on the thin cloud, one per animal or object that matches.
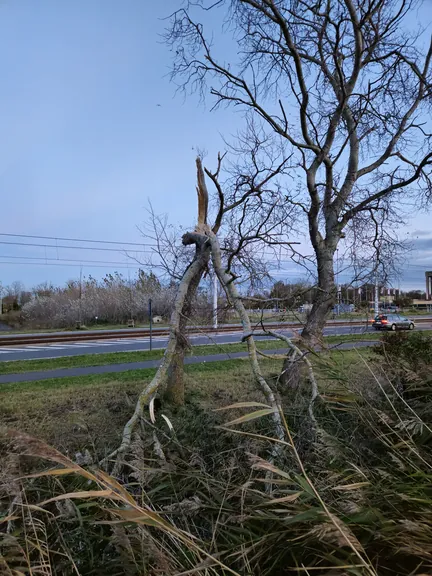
(422, 233)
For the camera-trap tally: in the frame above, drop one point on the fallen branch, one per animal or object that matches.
(304, 358)
(234, 297)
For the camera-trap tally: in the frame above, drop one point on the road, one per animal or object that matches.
(57, 350)
(114, 368)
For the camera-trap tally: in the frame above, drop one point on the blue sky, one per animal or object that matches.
(92, 129)
(91, 125)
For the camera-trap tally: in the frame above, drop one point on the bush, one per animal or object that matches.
(412, 349)
(14, 319)
(407, 361)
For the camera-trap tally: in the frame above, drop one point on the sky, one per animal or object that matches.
(92, 130)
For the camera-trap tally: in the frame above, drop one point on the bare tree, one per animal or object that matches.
(204, 239)
(173, 261)
(250, 216)
(342, 87)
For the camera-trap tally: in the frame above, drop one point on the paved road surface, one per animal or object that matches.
(112, 368)
(59, 349)
(97, 333)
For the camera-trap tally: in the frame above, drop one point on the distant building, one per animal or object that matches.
(428, 285)
(422, 304)
(343, 308)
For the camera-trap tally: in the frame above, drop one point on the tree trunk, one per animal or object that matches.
(159, 379)
(325, 297)
(174, 392)
(290, 376)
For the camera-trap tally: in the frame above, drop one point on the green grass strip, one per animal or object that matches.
(21, 366)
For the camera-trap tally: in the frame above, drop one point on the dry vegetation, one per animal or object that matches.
(89, 412)
(352, 498)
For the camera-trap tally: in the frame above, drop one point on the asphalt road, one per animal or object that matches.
(113, 368)
(57, 350)
(140, 344)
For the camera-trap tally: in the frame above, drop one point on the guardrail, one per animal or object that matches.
(20, 339)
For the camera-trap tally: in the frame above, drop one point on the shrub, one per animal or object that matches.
(412, 349)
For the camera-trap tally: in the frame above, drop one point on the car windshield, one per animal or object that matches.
(381, 317)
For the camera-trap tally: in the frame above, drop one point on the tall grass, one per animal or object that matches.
(352, 497)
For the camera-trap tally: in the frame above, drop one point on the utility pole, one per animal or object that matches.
(339, 288)
(376, 293)
(150, 313)
(215, 301)
(80, 300)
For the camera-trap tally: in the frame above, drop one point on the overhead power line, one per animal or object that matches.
(73, 247)
(75, 239)
(124, 263)
(72, 265)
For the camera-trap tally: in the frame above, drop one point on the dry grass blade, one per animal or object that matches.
(9, 518)
(61, 472)
(169, 423)
(140, 516)
(243, 405)
(250, 416)
(254, 435)
(84, 494)
(289, 498)
(115, 486)
(152, 411)
(261, 464)
(355, 486)
(341, 567)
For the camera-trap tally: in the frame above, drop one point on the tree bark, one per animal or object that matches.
(325, 297)
(174, 392)
(159, 379)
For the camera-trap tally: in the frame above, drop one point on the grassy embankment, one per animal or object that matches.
(75, 411)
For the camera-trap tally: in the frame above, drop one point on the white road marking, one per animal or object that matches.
(55, 347)
(89, 344)
(124, 341)
(5, 350)
(145, 339)
(36, 347)
(76, 345)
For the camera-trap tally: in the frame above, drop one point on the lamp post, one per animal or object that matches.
(150, 320)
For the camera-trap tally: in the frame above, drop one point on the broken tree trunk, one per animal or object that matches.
(174, 392)
(178, 320)
(160, 377)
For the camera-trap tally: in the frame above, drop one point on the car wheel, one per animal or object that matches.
(393, 327)
(411, 326)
